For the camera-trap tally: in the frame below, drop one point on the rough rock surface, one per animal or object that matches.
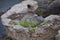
(48, 7)
(19, 9)
(57, 37)
(47, 30)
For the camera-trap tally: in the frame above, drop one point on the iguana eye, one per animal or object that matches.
(29, 6)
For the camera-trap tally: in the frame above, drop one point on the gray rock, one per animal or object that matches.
(48, 7)
(57, 37)
(44, 3)
(40, 18)
(18, 9)
(43, 8)
(52, 17)
(45, 31)
(55, 20)
(54, 7)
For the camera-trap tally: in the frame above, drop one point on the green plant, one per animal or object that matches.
(24, 23)
(27, 24)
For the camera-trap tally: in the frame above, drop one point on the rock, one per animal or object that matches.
(43, 8)
(42, 12)
(57, 37)
(48, 7)
(44, 3)
(17, 9)
(40, 18)
(55, 19)
(54, 7)
(52, 17)
(47, 30)
(23, 6)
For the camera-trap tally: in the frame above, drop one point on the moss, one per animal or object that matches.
(15, 23)
(24, 23)
(27, 24)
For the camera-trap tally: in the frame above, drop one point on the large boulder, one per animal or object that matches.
(48, 7)
(46, 30)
